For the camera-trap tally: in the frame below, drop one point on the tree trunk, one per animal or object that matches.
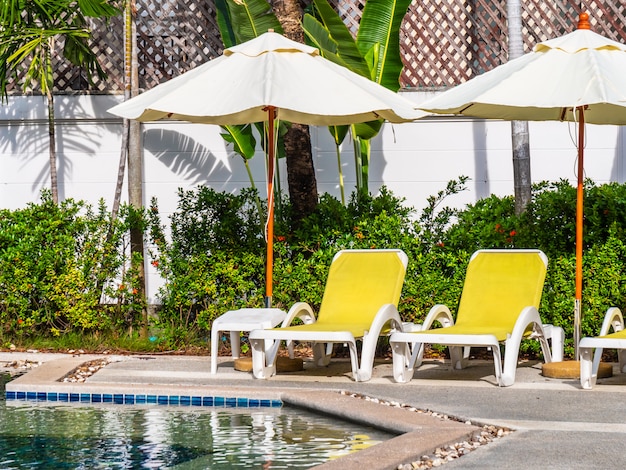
(48, 85)
(54, 185)
(519, 129)
(300, 169)
(135, 185)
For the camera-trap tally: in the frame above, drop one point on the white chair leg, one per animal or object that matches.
(501, 378)
(587, 374)
(368, 352)
(403, 360)
(263, 364)
(621, 355)
(214, 349)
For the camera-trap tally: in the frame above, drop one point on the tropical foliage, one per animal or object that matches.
(64, 273)
(374, 53)
(29, 30)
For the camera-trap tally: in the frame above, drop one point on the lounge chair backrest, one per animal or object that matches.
(359, 283)
(498, 285)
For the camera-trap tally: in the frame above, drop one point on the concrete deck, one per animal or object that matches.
(557, 424)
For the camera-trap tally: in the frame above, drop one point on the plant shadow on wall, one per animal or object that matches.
(27, 140)
(186, 157)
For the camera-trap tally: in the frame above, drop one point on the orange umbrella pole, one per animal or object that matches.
(579, 229)
(269, 265)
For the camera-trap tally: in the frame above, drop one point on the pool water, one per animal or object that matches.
(43, 436)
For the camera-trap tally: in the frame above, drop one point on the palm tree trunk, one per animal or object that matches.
(519, 129)
(54, 185)
(300, 170)
(135, 185)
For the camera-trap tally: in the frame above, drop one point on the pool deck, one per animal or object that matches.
(557, 424)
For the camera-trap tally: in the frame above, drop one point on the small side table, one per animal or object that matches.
(237, 321)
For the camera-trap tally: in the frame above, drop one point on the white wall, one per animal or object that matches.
(414, 160)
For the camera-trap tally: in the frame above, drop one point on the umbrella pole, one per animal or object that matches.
(269, 265)
(579, 230)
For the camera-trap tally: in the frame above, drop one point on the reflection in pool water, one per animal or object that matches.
(42, 436)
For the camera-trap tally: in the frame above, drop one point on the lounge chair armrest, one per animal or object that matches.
(528, 317)
(387, 314)
(612, 319)
(440, 313)
(300, 310)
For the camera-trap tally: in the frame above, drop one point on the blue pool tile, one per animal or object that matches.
(207, 401)
(174, 400)
(185, 400)
(151, 399)
(20, 395)
(107, 398)
(218, 401)
(196, 401)
(31, 395)
(10, 395)
(52, 396)
(118, 398)
(74, 397)
(243, 402)
(85, 397)
(42, 396)
(277, 404)
(231, 402)
(254, 403)
(64, 397)
(163, 400)
(140, 399)
(96, 398)
(129, 399)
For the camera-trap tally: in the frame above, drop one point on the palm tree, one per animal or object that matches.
(519, 129)
(29, 32)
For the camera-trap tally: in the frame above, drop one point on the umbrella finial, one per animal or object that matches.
(583, 21)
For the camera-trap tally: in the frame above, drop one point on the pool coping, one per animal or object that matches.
(418, 434)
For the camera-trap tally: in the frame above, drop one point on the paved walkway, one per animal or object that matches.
(557, 425)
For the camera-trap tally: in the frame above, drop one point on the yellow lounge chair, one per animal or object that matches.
(360, 302)
(499, 304)
(616, 340)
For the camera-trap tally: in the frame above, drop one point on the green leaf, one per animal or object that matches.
(242, 139)
(339, 133)
(97, 8)
(225, 23)
(252, 18)
(367, 130)
(380, 28)
(346, 47)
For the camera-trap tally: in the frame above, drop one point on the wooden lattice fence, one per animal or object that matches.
(443, 42)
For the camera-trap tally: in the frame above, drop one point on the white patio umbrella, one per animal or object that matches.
(578, 77)
(266, 79)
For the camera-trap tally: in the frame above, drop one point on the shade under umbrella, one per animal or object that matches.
(267, 78)
(578, 77)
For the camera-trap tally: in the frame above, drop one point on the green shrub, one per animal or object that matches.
(64, 270)
(57, 263)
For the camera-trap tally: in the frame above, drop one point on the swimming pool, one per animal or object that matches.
(55, 436)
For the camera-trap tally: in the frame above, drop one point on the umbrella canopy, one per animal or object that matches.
(264, 79)
(578, 77)
(270, 70)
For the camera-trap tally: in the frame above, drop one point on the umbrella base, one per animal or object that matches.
(283, 364)
(571, 370)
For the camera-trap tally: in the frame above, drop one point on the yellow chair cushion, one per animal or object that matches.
(358, 284)
(497, 287)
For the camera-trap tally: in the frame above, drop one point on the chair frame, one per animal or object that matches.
(408, 347)
(613, 320)
(264, 359)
